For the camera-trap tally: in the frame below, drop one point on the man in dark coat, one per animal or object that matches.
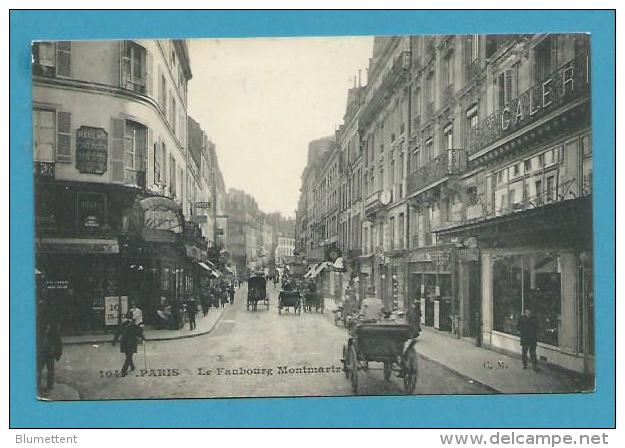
(528, 329)
(191, 311)
(231, 292)
(413, 317)
(49, 350)
(129, 334)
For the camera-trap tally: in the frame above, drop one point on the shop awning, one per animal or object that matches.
(319, 268)
(214, 272)
(310, 271)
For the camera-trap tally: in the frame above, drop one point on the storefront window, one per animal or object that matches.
(527, 281)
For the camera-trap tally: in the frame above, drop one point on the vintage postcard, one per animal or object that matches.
(320, 216)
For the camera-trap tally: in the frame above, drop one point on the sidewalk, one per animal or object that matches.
(61, 392)
(204, 325)
(500, 372)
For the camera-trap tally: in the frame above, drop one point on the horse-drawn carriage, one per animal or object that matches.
(289, 297)
(313, 299)
(374, 338)
(257, 292)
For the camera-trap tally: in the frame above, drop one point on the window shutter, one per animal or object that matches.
(64, 136)
(117, 149)
(508, 85)
(63, 58)
(148, 74)
(164, 172)
(148, 160)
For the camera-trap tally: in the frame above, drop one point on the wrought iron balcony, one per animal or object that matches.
(568, 83)
(450, 162)
(372, 202)
(44, 169)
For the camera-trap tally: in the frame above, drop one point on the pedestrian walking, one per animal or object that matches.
(137, 314)
(49, 350)
(413, 317)
(191, 311)
(528, 329)
(231, 291)
(130, 335)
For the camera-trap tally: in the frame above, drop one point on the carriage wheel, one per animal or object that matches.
(353, 371)
(411, 373)
(387, 370)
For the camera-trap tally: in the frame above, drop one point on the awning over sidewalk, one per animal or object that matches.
(214, 272)
(319, 268)
(310, 270)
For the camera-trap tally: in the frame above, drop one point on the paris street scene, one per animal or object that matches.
(324, 216)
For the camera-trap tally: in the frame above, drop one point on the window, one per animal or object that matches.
(52, 132)
(172, 176)
(527, 281)
(544, 59)
(134, 67)
(471, 124)
(164, 159)
(134, 146)
(448, 136)
(517, 169)
(505, 87)
(429, 148)
(172, 115)
(448, 70)
(550, 193)
(400, 230)
(163, 94)
(391, 235)
(157, 163)
(52, 58)
(527, 165)
(44, 135)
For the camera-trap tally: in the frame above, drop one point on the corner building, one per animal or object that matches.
(110, 166)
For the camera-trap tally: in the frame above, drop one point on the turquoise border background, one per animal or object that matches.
(576, 410)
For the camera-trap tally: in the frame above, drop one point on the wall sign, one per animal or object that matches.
(91, 150)
(91, 210)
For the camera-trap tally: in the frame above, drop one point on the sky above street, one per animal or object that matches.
(262, 100)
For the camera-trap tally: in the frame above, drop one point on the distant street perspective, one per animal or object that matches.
(229, 218)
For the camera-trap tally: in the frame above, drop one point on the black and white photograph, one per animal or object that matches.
(313, 216)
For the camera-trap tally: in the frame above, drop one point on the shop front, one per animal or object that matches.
(541, 260)
(430, 283)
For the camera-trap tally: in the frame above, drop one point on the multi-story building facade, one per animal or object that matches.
(110, 155)
(284, 250)
(476, 162)
(245, 231)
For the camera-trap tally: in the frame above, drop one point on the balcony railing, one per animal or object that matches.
(450, 162)
(373, 201)
(44, 169)
(569, 82)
